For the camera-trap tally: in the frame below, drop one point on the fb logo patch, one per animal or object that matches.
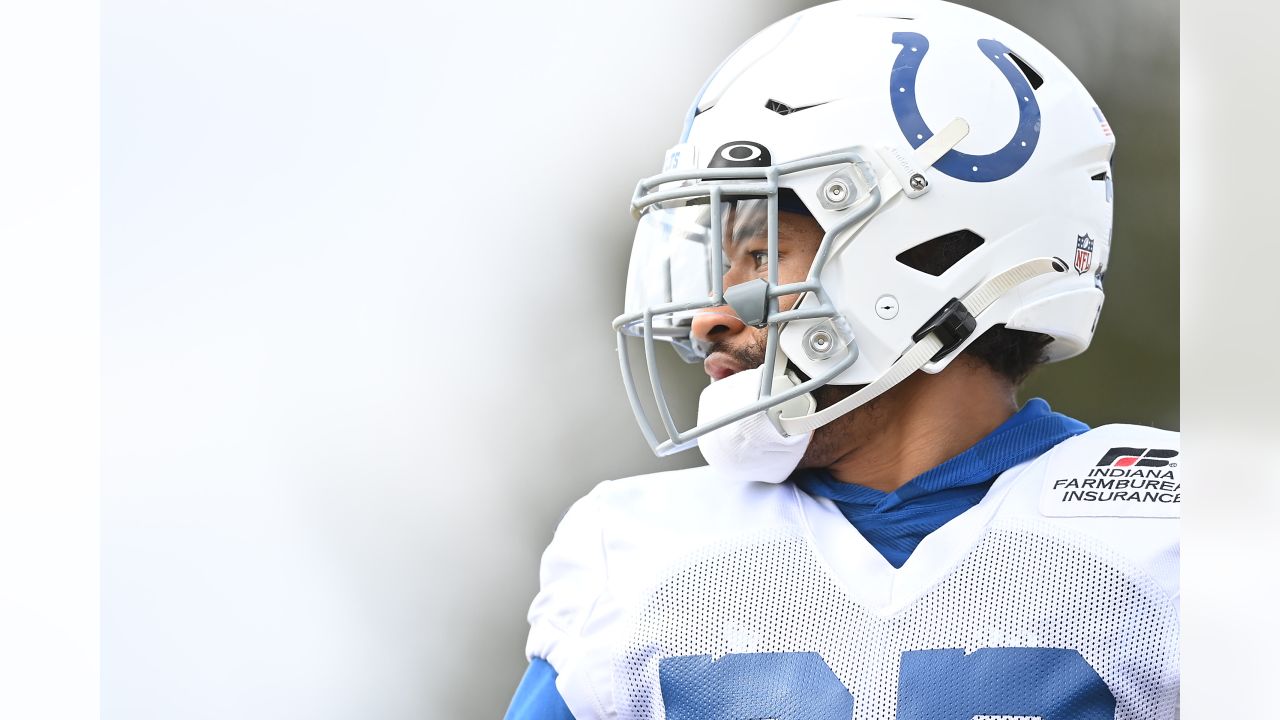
(963, 166)
(1139, 457)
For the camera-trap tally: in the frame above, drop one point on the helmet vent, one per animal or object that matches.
(784, 109)
(1033, 77)
(938, 255)
(1100, 176)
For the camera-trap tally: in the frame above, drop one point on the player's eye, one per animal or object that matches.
(761, 259)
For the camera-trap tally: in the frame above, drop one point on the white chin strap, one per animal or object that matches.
(978, 300)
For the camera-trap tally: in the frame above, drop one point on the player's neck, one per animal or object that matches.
(928, 420)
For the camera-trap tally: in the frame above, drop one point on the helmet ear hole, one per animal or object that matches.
(938, 255)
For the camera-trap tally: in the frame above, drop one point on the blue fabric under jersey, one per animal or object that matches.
(537, 697)
(895, 523)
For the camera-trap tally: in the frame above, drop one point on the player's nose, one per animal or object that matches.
(714, 325)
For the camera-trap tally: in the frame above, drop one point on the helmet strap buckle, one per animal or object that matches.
(951, 325)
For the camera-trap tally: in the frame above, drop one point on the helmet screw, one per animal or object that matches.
(918, 182)
(839, 190)
(887, 307)
(836, 190)
(820, 342)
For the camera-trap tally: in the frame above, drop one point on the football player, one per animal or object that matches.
(880, 217)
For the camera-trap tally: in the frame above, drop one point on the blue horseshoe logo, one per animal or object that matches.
(962, 166)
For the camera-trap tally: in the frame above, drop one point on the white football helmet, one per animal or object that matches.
(895, 123)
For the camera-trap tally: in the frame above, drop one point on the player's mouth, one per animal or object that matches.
(721, 365)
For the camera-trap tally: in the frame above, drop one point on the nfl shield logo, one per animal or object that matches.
(1084, 253)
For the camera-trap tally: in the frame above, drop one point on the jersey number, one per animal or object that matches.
(1052, 683)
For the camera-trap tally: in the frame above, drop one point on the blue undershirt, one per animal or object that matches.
(894, 523)
(537, 697)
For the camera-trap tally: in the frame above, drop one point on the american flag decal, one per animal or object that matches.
(1106, 129)
(1084, 253)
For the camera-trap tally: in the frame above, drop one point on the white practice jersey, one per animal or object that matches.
(687, 595)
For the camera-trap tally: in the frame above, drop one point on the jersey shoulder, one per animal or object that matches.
(1113, 471)
(1117, 488)
(617, 541)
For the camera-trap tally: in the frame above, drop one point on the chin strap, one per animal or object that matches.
(939, 337)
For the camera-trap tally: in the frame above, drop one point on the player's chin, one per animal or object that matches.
(833, 440)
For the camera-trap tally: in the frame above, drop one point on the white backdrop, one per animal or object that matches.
(358, 266)
(359, 263)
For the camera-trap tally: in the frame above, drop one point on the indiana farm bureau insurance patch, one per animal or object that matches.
(1124, 482)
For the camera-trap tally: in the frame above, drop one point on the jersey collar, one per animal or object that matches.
(1030, 432)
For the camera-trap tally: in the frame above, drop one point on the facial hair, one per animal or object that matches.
(833, 440)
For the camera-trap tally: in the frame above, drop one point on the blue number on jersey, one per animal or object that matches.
(1052, 683)
(785, 686)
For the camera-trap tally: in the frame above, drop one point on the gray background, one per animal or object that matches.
(333, 450)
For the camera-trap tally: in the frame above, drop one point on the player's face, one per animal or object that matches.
(733, 346)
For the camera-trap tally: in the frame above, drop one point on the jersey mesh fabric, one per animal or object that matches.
(1025, 584)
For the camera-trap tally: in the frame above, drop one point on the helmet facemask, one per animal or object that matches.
(690, 221)
(692, 224)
